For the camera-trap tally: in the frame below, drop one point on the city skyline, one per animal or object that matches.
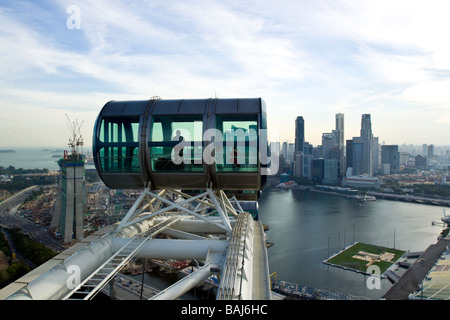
(315, 59)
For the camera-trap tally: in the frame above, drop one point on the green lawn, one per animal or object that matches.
(345, 258)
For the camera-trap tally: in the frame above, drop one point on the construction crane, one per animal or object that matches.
(76, 139)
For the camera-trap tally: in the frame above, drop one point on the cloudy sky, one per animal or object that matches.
(310, 58)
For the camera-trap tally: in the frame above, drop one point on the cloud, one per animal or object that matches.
(395, 69)
(221, 48)
(304, 58)
(431, 93)
(444, 119)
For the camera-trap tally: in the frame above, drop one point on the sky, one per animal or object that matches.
(390, 59)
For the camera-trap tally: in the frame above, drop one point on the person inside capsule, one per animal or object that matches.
(179, 156)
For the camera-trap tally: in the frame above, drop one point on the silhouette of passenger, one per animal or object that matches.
(178, 149)
(235, 158)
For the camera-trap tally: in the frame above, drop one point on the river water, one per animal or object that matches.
(306, 227)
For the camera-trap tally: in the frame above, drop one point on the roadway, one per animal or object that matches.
(127, 288)
(19, 196)
(10, 220)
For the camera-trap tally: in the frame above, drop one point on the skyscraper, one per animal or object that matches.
(328, 144)
(340, 128)
(367, 145)
(299, 142)
(284, 150)
(424, 149)
(430, 150)
(299, 134)
(375, 155)
(390, 159)
(357, 156)
(307, 158)
(340, 142)
(349, 154)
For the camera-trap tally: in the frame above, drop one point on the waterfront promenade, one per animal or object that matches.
(410, 198)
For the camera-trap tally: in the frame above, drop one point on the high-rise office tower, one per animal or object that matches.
(340, 142)
(307, 158)
(340, 128)
(299, 134)
(298, 164)
(284, 150)
(430, 150)
(317, 168)
(328, 144)
(424, 149)
(291, 147)
(299, 142)
(390, 159)
(367, 145)
(375, 154)
(357, 156)
(349, 154)
(330, 172)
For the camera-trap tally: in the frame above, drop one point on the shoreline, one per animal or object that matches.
(376, 195)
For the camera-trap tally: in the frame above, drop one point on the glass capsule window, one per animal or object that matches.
(176, 143)
(119, 145)
(240, 143)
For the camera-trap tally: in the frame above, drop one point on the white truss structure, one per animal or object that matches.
(208, 227)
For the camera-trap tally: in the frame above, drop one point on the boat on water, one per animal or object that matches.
(364, 198)
(445, 219)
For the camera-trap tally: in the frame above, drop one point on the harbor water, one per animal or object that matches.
(32, 158)
(306, 227)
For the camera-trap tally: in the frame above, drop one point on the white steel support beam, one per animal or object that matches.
(237, 204)
(214, 261)
(184, 285)
(225, 226)
(228, 204)
(133, 210)
(224, 243)
(223, 216)
(176, 249)
(127, 220)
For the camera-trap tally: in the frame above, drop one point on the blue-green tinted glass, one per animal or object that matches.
(240, 143)
(119, 138)
(119, 159)
(166, 152)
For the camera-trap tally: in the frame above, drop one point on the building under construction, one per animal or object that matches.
(70, 203)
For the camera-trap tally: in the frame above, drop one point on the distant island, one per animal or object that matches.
(7, 151)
